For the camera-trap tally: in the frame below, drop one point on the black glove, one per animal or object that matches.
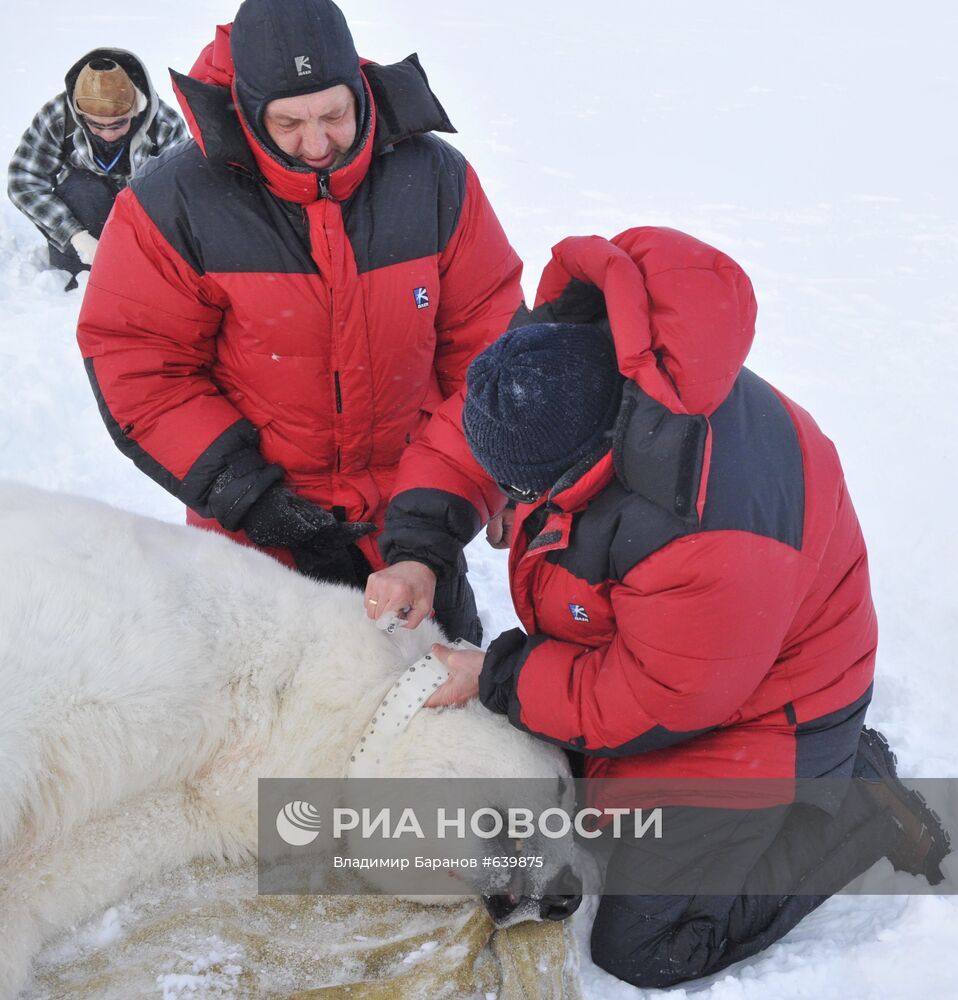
(280, 517)
(343, 565)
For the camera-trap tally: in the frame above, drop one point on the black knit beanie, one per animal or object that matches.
(540, 400)
(284, 48)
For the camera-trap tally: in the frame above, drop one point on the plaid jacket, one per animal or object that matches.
(55, 145)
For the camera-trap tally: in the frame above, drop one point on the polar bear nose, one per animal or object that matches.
(561, 899)
(558, 907)
(501, 906)
(565, 898)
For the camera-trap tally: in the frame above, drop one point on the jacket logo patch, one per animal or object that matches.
(303, 67)
(579, 613)
(421, 295)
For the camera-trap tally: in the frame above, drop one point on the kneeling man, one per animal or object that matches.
(693, 587)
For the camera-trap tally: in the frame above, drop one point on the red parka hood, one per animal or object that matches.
(215, 63)
(682, 313)
(682, 316)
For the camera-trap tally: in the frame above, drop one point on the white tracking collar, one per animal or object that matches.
(413, 686)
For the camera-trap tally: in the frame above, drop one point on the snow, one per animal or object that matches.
(213, 973)
(426, 948)
(97, 933)
(814, 142)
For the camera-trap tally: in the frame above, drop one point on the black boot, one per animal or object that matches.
(924, 843)
(67, 260)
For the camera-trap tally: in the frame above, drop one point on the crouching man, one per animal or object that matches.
(693, 587)
(83, 147)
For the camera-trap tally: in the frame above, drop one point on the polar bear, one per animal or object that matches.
(149, 674)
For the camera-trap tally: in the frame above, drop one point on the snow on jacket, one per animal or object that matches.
(697, 604)
(56, 145)
(276, 321)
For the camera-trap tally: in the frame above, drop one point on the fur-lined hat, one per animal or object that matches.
(104, 89)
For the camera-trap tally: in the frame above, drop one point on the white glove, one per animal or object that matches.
(85, 246)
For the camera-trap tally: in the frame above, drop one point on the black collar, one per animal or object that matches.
(405, 106)
(660, 454)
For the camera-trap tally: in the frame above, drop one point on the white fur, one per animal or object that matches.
(149, 675)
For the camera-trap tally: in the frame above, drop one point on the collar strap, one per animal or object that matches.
(391, 719)
(107, 167)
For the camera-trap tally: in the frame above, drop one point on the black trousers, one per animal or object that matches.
(90, 198)
(722, 885)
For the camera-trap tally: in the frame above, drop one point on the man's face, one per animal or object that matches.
(109, 129)
(316, 129)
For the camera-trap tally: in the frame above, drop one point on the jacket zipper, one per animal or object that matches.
(334, 339)
(339, 409)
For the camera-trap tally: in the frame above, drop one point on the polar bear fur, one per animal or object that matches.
(149, 675)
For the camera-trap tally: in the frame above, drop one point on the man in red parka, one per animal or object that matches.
(278, 307)
(693, 588)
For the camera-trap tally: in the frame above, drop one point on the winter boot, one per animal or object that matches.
(924, 843)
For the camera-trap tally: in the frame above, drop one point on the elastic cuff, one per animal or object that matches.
(440, 569)
(235, 451)
(61, 236)
(500, 669)
(251, 487)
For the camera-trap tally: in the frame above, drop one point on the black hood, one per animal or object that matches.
(284, 48)
(93, 148)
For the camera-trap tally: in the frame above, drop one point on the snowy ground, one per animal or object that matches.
(814, 142)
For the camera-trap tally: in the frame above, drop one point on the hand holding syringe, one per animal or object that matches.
(392, 620)
(400, 595)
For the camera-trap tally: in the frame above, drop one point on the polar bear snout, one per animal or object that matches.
(563, 897)
(556, 900)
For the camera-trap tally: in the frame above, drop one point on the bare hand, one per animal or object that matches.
(405, 589)
(499, 529)
(464, 666)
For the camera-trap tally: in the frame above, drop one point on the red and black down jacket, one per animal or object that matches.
(697, 604)
(243, 314)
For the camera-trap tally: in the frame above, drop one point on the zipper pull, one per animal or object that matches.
(323, 182)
